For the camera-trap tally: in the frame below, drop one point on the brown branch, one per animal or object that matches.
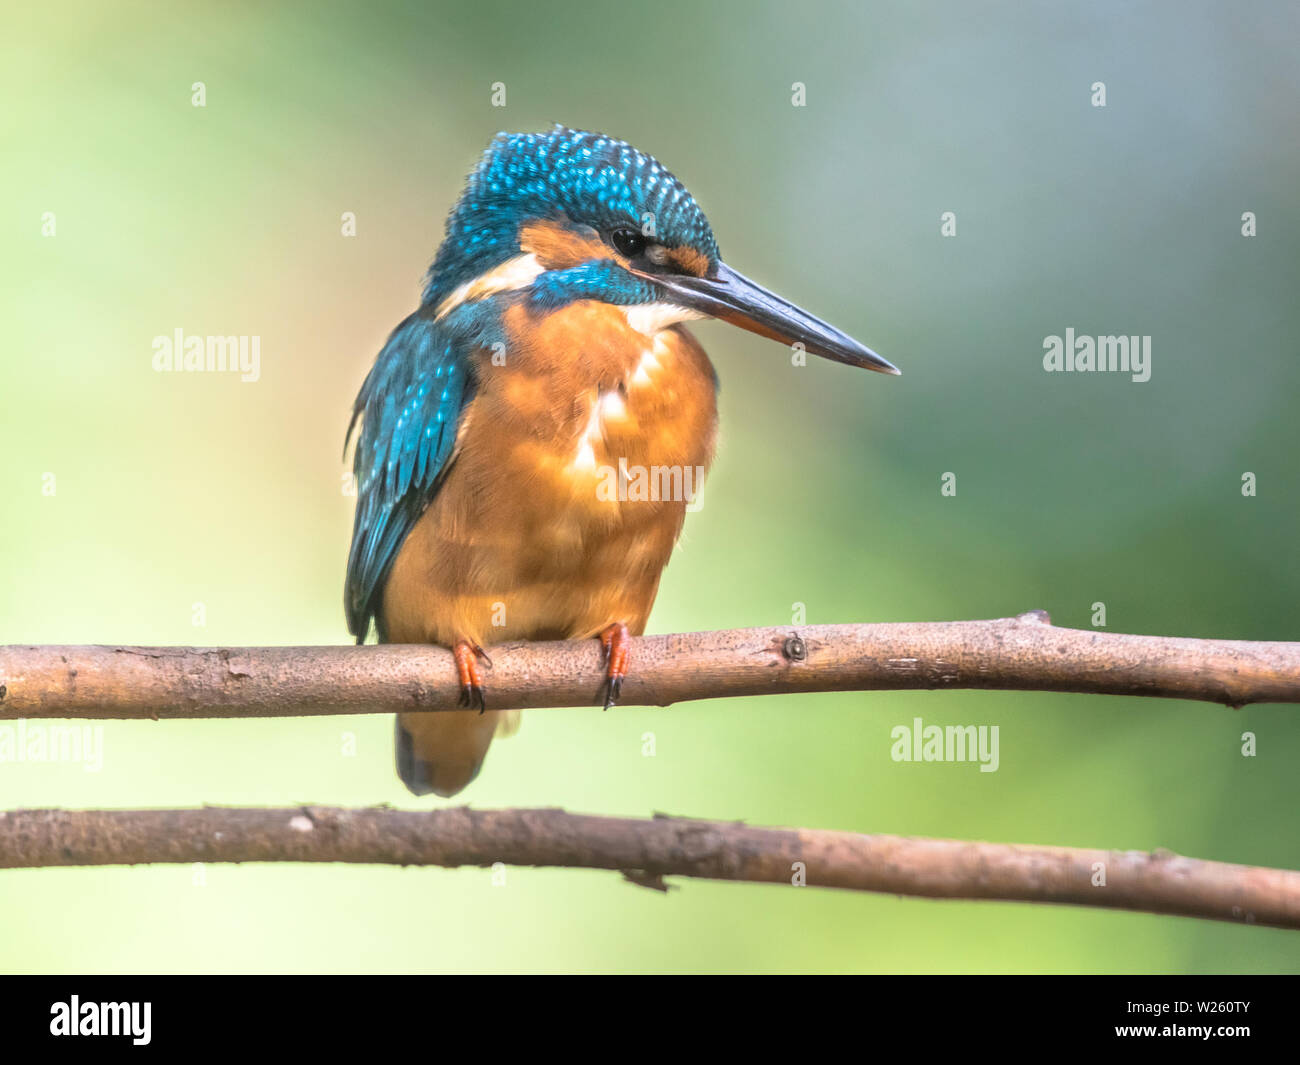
(648, 850)
(1025, 653)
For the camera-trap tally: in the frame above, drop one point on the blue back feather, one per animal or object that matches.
(409, 408)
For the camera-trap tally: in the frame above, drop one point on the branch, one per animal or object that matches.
(1025, 653)
(647, 850)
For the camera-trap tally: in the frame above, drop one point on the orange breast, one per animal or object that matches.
(575, 464)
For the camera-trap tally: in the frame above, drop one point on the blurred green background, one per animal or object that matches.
(184, 489)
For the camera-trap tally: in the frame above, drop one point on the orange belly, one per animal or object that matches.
(573, 469)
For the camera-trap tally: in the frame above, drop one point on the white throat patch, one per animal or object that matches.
(651, 318)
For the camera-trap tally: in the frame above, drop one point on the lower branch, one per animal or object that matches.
(1025, 653)
(648, 850)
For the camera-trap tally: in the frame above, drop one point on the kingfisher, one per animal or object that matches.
(548, 349)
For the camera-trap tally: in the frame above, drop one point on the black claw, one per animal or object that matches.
(471, 695)
(613, 688)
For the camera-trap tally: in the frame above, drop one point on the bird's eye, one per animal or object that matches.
(628, 241)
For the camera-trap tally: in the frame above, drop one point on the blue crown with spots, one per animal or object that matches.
(587, 177)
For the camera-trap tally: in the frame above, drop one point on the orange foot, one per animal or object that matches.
(471, 683)
(615, 644)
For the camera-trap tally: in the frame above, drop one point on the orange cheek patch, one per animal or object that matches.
(690, 260)
(558, 247)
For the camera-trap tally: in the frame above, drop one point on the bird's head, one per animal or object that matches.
(567, 215)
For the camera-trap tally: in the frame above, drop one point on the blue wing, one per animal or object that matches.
(409, 408)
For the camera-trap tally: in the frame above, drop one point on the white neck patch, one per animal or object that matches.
(511, 275)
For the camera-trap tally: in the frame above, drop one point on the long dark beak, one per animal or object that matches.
(734, 298)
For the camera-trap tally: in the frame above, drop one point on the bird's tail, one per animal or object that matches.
(443, 752)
